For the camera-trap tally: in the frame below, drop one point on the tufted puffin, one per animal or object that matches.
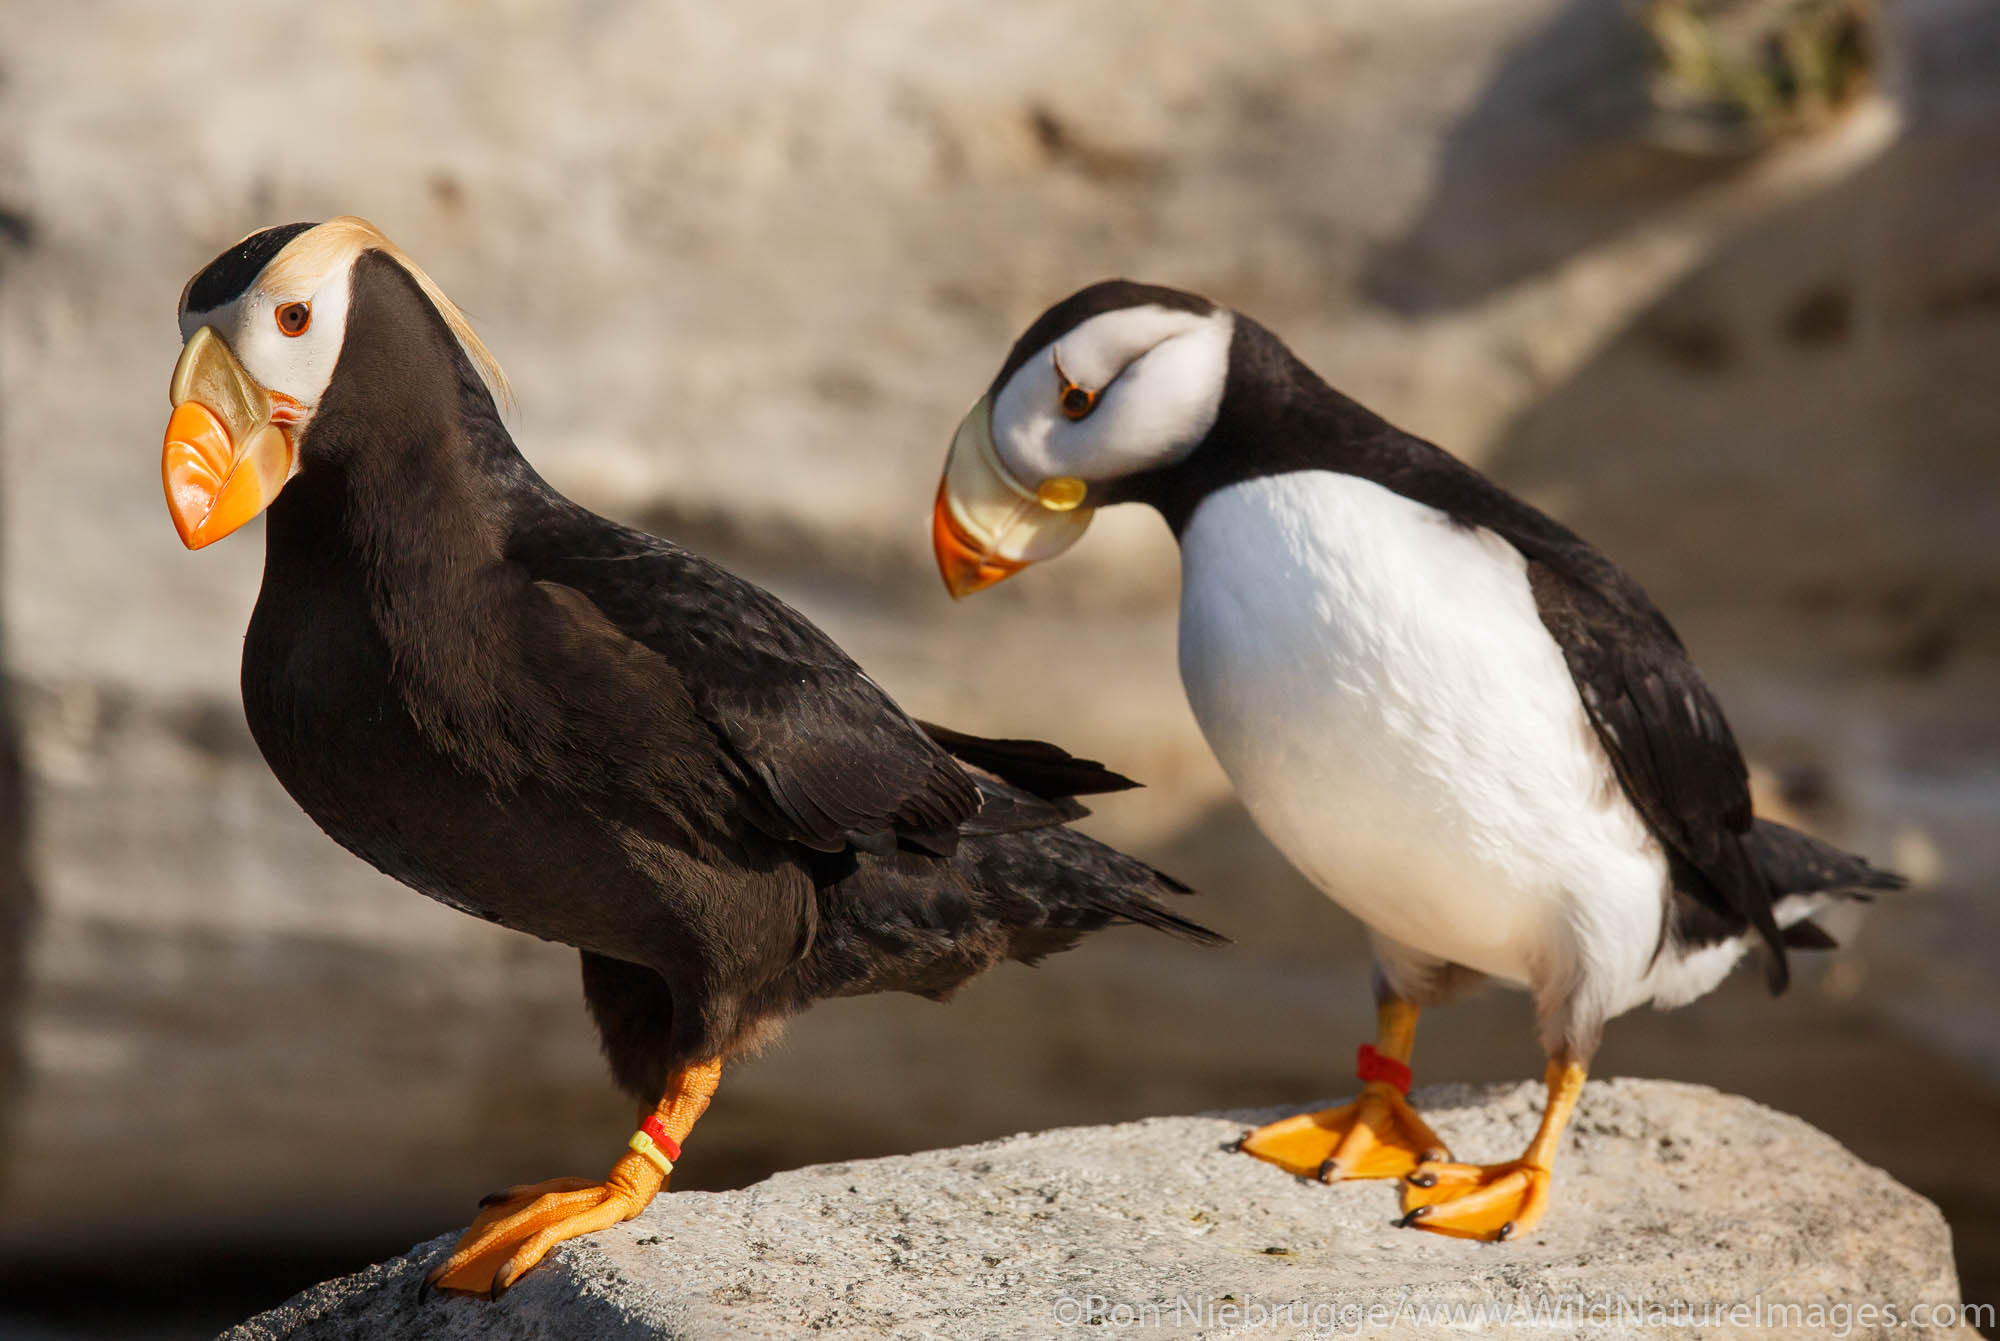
(581, 731)
(1454, 716)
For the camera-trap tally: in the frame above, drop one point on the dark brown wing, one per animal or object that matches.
(825, 757)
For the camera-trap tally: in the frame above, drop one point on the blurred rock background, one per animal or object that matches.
(746, 265)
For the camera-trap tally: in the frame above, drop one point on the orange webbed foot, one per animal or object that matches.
(1495, 1202)
(1377, 1136)
(518, 1227)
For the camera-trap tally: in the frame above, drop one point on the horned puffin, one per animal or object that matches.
(579, 730)
(1454, 716)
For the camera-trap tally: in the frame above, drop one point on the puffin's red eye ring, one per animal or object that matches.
(293, 318)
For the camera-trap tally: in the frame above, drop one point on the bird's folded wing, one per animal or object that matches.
(826, 758)
(1667, 738)
(1668, 741)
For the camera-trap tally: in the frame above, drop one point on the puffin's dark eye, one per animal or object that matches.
(293, 318)
(1076, 401)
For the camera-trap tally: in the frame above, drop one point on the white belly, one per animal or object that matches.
(1378, 685)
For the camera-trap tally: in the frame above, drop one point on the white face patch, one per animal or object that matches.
(300, 365)
(317, 267)
(1157, 374)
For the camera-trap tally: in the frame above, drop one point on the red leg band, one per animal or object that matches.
(672, 1148)
(1372, 1065)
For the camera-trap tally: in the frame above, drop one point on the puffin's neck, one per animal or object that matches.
(410, 535)
(410, 490)
(416, 500)
(408, 472)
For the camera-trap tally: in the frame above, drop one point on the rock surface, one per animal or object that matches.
(1668, 1196)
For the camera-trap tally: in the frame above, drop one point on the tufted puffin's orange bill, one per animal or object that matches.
(228, 449)
(987, 525)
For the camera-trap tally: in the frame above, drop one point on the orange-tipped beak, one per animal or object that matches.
(986, 525)
(224, 458)
(966, 567)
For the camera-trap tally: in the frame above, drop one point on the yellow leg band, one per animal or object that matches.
(645, 1146)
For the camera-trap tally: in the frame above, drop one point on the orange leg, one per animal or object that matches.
(1496, 1201)
(1377, 1136)
(519, 1226)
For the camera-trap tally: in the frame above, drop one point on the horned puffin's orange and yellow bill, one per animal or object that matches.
(986, 525)
(228, 448)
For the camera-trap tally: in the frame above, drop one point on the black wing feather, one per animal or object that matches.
(1048, 771)
(1025, 784)
(1667, 738)
(827, 758)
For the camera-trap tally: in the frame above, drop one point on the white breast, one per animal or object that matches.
(1377, 683)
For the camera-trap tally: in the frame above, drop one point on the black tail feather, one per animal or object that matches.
(1056, 884)
(1796, 863)
(1808, 935)
(1035, 766)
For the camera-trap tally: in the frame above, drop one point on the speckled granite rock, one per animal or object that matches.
(1669, 1197)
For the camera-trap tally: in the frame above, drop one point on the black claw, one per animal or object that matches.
(1329, 1170)
(1423, 1180)
(492, 1199)
(1434, 1155)
(1415, 1215)
(1502, 1234)
(424, 1287)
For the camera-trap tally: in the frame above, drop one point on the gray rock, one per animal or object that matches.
(1668, 1197)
